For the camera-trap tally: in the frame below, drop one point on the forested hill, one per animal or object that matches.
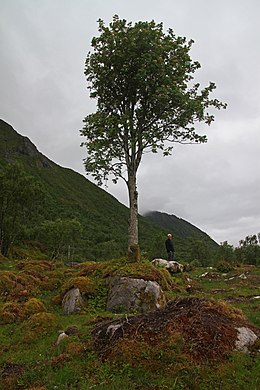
(104, 220)
(70, 195)
(178, 226)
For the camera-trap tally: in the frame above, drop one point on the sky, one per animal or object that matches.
(44, 96)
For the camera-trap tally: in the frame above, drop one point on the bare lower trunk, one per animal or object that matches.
(133, 246)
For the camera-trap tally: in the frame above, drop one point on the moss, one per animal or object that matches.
(200, 329)
(34, 306)
(7, 282)
(75, 348)
(95, 269)
(51, 284)
(225, 309)
(12, 312)
(38, 265)
(17, 285)
(133, 351)
(134, 254)
(38, 325)
(85, 285)
(57, 299)
(147, 271)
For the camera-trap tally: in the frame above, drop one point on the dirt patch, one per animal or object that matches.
(248, 298)
(207, 328)
(12, 369)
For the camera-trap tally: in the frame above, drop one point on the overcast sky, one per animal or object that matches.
(44, 96)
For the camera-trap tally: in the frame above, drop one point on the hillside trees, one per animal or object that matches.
(248, 251)
(198, 250)
(20, 196)
(225, 252)
(141, 79)
(61, 237)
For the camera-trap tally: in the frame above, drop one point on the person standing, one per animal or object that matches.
(169, 247)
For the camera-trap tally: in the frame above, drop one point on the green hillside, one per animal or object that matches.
(71, 195)
(191, 243)
(104, 220)
(178, 226)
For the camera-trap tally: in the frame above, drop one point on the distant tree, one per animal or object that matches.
(20, 196)
(248, 251)
(225, 252)
(61, 237)
(141, 78)
(157, 247)
(198, 250)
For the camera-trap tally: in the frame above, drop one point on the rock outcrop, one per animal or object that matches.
(134, 295)
(171, 266)
(72, 301)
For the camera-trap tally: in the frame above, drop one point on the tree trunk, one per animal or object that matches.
(133, 246)
(5, 246)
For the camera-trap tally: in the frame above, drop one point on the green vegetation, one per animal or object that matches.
(61, 237)
(75, 219)
(69, 198)
(191, 243)
(20, 198)
(142, 80)
(31, 317)
(248, 251)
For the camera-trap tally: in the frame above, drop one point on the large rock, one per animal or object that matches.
(72, 301)
(171, 266)
(130, 295)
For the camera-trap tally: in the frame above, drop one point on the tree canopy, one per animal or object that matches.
(141, 78)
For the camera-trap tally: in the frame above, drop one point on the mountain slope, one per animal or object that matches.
(71, 195)
(178, 226)
(104, 218)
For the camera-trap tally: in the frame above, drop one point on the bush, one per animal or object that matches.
(223, 266)
(195, 264)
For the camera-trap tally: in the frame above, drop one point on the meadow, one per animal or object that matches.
(31, 317)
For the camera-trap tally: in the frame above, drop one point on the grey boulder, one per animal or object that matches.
(134, 295)
(72, 301)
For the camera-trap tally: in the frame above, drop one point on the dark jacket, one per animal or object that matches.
(169, 245)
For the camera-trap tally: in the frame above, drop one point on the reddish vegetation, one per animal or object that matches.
(207, 330)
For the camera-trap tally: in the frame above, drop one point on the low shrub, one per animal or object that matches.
(223, 266)
(195, 264)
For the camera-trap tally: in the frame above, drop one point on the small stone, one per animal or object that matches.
(61, 337)
(245, 338)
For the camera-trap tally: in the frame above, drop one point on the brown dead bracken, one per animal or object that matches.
(208, 328)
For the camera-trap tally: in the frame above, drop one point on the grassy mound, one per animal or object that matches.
(203, 330)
